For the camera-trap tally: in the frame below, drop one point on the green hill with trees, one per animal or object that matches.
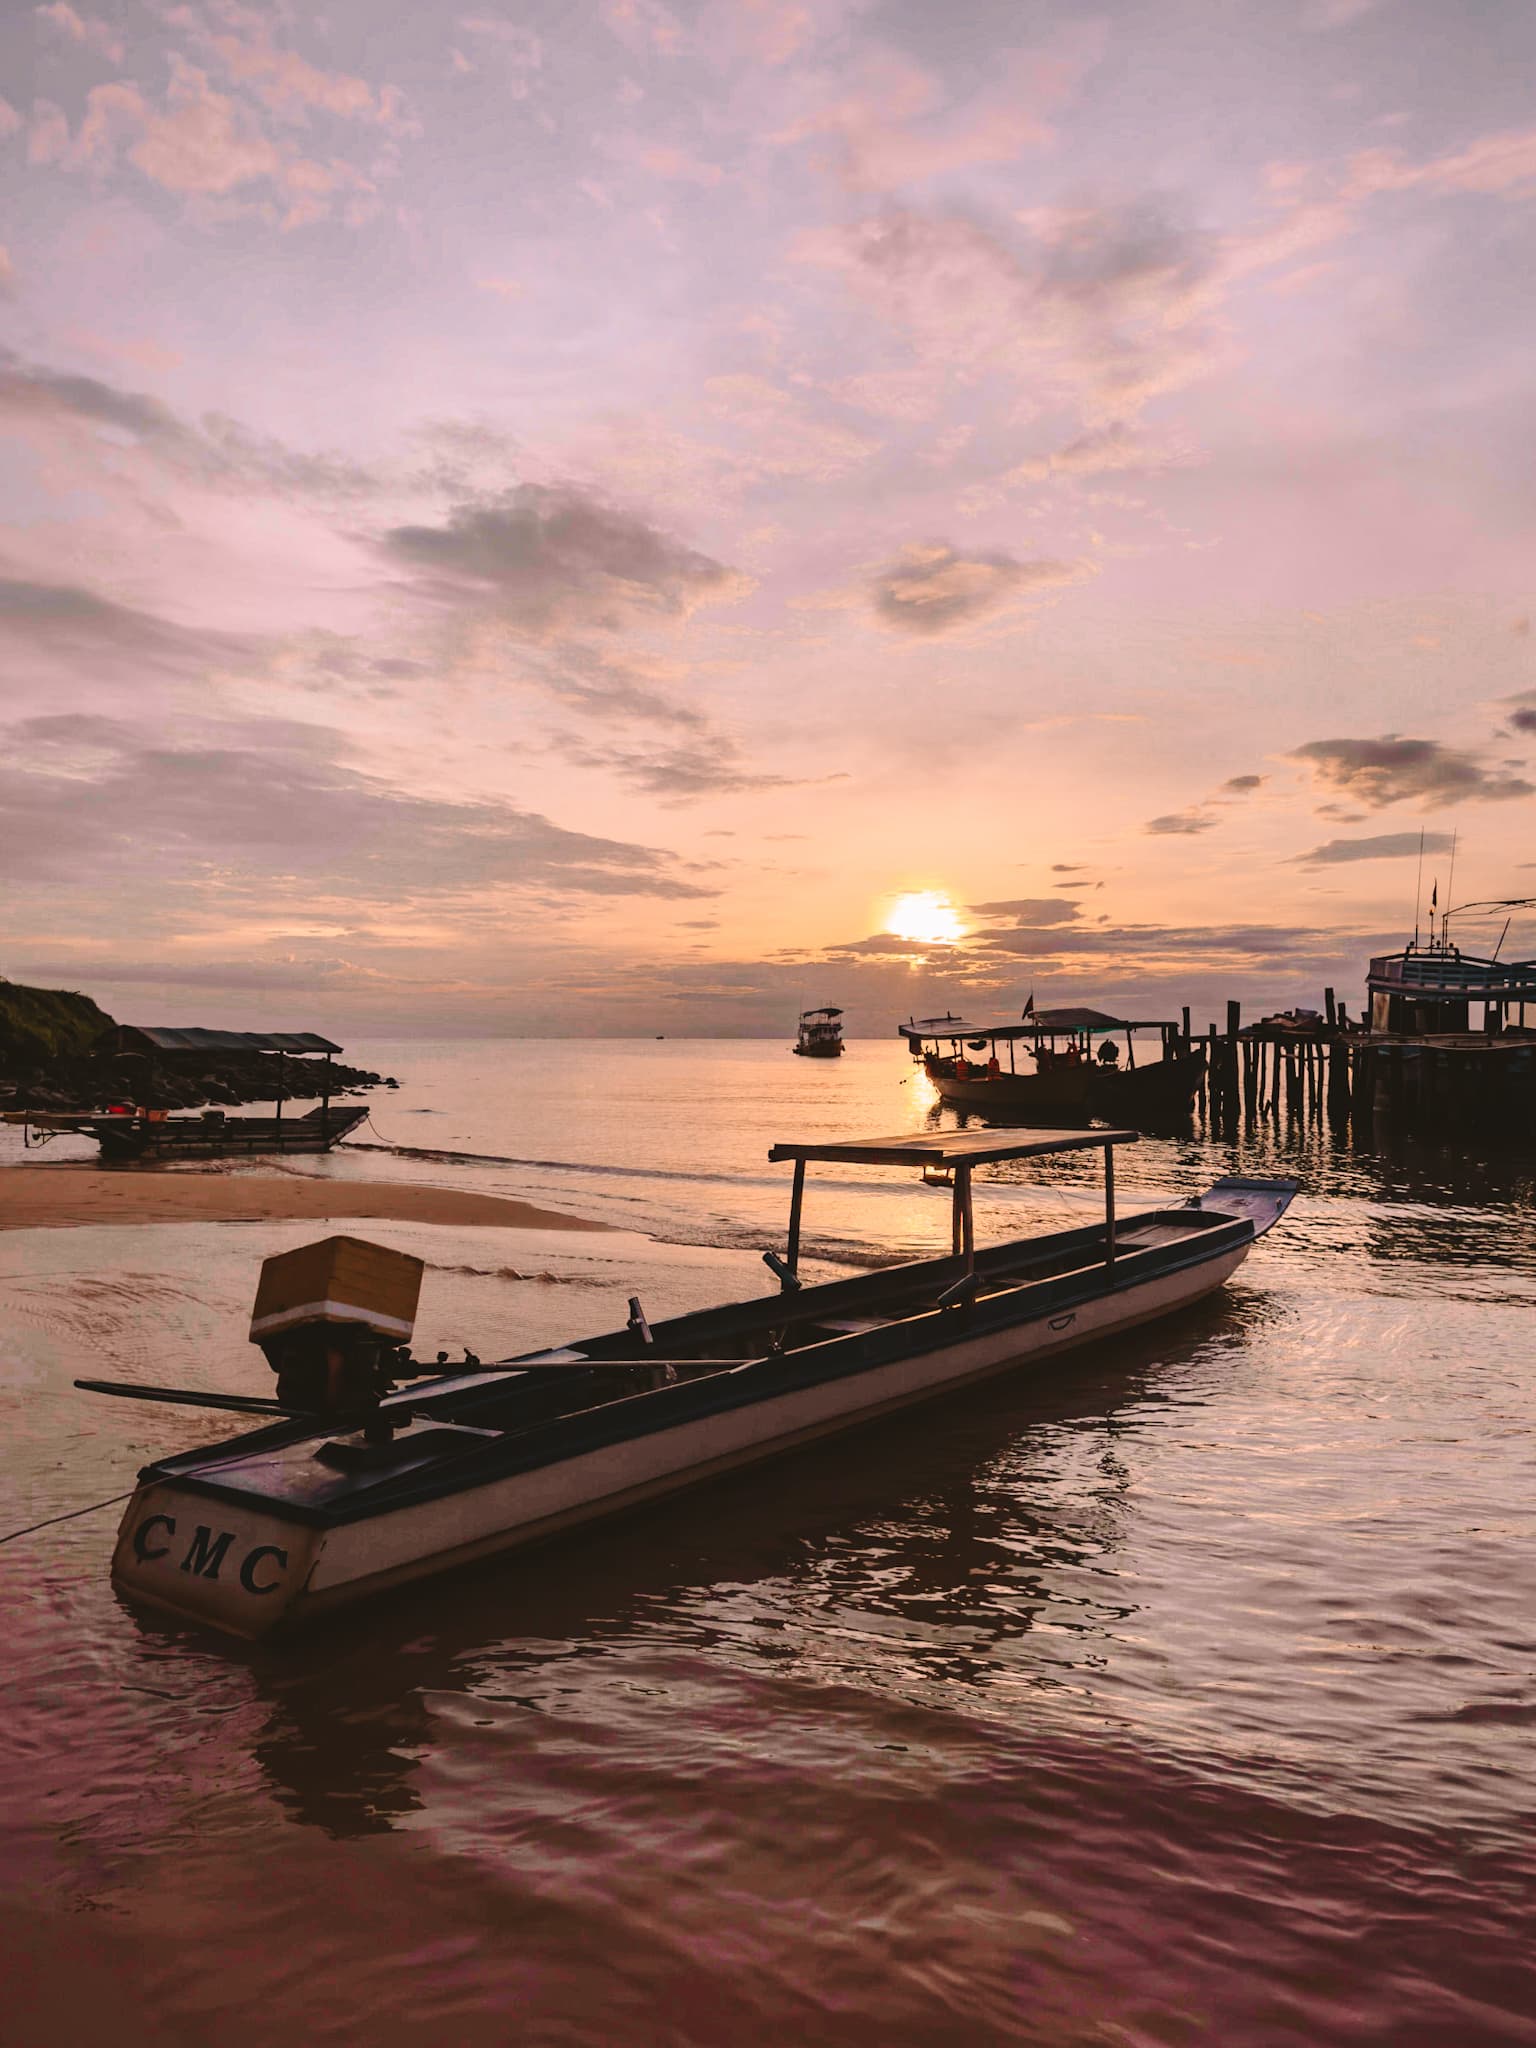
(40, 1025)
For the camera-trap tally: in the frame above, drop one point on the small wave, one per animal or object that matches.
(592, 1166)
(511, 1273)
(1002, 1190)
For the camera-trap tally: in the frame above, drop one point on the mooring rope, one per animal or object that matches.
(32, 1527)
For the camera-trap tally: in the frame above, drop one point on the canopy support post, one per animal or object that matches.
(1109, 1212)
(955, 1229)
(967, 1220)
(796, 1202)
(785, 1270)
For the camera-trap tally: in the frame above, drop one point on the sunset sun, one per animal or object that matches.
(925, 914)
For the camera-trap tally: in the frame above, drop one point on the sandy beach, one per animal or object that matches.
(45, 1198)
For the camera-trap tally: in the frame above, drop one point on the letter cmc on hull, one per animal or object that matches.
(211, 1561)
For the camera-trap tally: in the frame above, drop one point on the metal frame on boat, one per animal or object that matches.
(320, 1509)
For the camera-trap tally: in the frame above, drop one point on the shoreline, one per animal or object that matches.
(69, 1197)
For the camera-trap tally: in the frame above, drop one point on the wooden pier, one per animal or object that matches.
(1294, 1070)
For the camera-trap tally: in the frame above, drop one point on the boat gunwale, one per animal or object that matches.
(563, 1437)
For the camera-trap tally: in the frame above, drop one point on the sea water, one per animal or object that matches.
(1183, 1690)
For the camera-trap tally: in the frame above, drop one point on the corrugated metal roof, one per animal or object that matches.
(188, 1038)
(1078, 1020)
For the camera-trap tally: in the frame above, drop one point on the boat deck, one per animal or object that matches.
(461, 1430)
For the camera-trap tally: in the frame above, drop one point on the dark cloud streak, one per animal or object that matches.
(85, 800)
(1385, 846)
(546, 558)
(1393, 770)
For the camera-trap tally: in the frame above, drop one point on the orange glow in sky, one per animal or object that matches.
(925, 914)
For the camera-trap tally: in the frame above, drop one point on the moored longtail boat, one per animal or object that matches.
(360, 1487)
(820, 1034)
(1067, 1081)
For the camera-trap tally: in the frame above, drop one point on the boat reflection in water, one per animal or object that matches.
(1069, 1079)
(952, 1536)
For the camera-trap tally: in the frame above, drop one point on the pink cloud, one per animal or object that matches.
(1492, 164)
(48, 134)
(644, 24)
(906, 394)
(666, 161)
(203, 142)
(200, 144)
(784, 438)
(891, 128)
(291, 87)
(519, 50)
(99, 36)
(1319, 204)
(1100, 308)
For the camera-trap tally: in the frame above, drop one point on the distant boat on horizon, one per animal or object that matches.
(820, 1036)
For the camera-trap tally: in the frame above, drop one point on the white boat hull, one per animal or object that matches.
(247, 1572)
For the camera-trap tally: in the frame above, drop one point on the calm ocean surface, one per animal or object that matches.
(1182, 1692)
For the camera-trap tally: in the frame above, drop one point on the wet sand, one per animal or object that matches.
(33, 1198)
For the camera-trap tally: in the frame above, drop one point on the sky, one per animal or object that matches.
(555, 519)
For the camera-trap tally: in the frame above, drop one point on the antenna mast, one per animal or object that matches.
(1445, 919)
(1418, 887)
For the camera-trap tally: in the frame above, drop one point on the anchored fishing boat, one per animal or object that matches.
(359, 1484)
(1069, 1079)
(820, 1036)
(129, 1135)
(127, 1132)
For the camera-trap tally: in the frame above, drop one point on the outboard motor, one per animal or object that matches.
(335, 1320)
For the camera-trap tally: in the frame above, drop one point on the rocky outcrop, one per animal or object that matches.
(39, 1025)
(180, 1081)
(46, 1063)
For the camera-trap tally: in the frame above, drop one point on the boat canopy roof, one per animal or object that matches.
(191, 1039)
(958, 1027)
(829, 1010)
(950, 1148)
(1027, 1027)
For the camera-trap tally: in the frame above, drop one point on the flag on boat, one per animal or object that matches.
(1029, 1008)
(1434, 894)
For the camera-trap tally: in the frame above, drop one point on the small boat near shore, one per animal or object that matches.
(130, 1130)
(820, 1036)
(357, 1484)
(1069, 1080)
(135, 1135)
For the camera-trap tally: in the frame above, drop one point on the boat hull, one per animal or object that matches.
(274, 1572)
(129, 1138)
(1077, 1095)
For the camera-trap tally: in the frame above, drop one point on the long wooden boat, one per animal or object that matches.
(1066, 1082)
(208, 1135)
(317, 1510)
